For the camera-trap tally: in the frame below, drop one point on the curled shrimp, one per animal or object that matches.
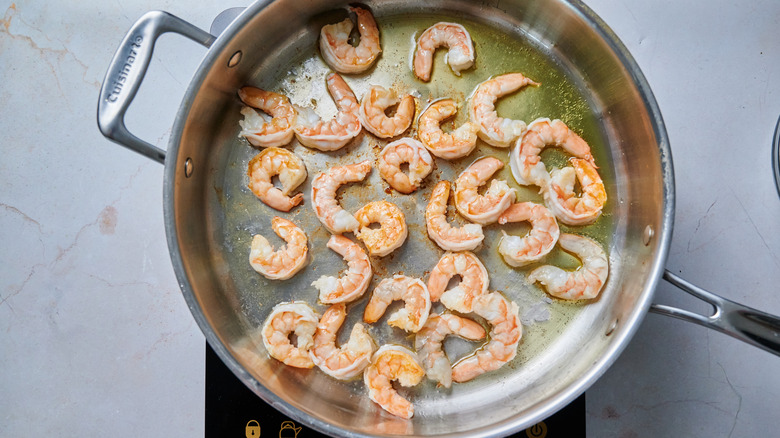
(287, 318)
(505, 332)
(519, 251)
(482, 209)
(389, 363)
(584, 283)
(417, 303)
(271, 162)
(567, 206)
(474, 280)
(351, 285)
(342, 56)
(323, 195)
(524, 159)
(428, 343)
(405, 150)
(452, 145)
(495, 130)
(392, 229)
(260, 129)
(352, 357)
(460, 53)
(373, 112)
(330, 135)
(287, 260)
(449, 238)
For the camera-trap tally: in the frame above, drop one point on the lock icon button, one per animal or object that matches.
(252, 429)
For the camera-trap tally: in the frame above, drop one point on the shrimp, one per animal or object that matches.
(495, 130)
(449, 238)
(449, 146)
(259, 129)
(315, 133)
(564, 202)
(287, 260)
(393, 362)
(349, 360)
(286, 318)
(456, 38)
(482, 209)
(504, 337)
(474, 280)
(373, 112)
(354, 283)
(342, 56)
(584, 283)
(415, 296)
(392, 229)
(405, 150)
(323, 195)
(524, 160)
(519, 251)
(428, 343)
(279, 162)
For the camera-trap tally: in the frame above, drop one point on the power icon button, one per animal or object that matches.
(252, 429)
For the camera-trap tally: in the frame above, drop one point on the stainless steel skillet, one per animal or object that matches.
(199, 154)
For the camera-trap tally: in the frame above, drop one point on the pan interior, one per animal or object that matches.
(565, 345)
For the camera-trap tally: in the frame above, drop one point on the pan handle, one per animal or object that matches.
(744, 323)
(127, 70)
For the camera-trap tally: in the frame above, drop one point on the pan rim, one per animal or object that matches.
(661, 240)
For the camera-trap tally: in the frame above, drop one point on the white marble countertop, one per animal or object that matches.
(96, 336)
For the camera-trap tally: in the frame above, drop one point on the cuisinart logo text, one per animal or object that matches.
(121, 77)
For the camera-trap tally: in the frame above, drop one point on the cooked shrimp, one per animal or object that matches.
(504, 336)
(392, 229)
(351, 285)
(349, 360)
(286, 318)
(260, 129)
(342, 56)
(519, 251)
(452, 145)
(449, 238)
(482, 209)
(323, 195)
(474, 280)
(495, 130)
(428, 343)
(405, 150)
(287, 260)
(279, 162)
(567, 206)
(584, 283)
(315, 133)
(393, 362)
(524, 159)
(417, 303)
(373, 112)
(460, 53)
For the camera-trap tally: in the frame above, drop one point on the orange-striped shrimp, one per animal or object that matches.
(351, 358)
(474, 280)
(405, 150)
(482, 209)
(354, 283)
(287, 260)
(342, 56)
(568, 207)
(287, 318)
(582, 284)
(428, 343)
(417, 303)
(505, 332)
(495, 130)
(323, 195)
(392, 230)
(393, 362)
(460, 53)
(519, 251)
(260, 129)
(373, 112)
(271, 162)
(449, 238)
(447, 145)
(333, 134)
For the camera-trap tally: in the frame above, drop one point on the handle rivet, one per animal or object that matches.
(234, 60)
(647, 235)
(188, 167)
